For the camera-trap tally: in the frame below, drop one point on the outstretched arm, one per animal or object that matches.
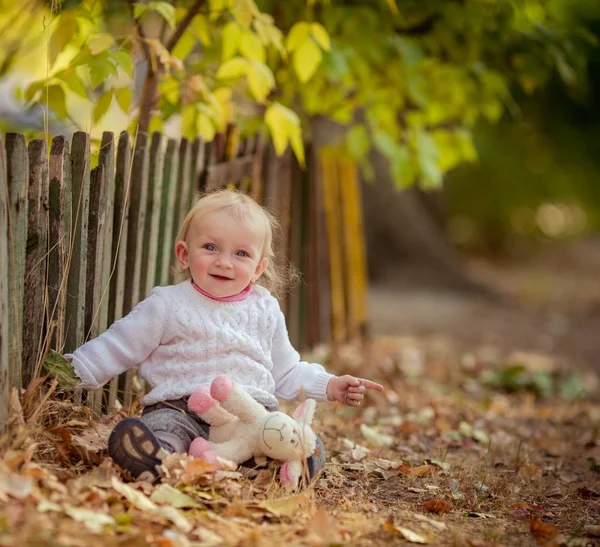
(293, 375)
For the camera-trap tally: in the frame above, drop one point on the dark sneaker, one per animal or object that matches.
(135, 449)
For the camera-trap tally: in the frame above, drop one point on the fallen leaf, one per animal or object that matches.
(421, 470)
(134, 497)
(435, 523)
(376, 438)
(553, 492)
(283, 506)
(323, 526)
(94, 521)
(175, 517)
(588, 493)
(171, 496)
(437, 506)
(542, 531)
(406, 533)
(16, 486)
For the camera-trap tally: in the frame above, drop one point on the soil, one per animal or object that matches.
(546, 303)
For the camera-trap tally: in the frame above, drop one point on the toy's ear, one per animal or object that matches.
(305, 412)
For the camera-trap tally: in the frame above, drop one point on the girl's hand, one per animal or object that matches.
(349, 390)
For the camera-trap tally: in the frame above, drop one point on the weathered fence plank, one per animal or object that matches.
(182, 197)
(17, 179)
(169, 192)
(119, 243)
(34, 295)
(59, 238)
(107, 160)
(95, 249)
(5, 380)
(154, 202)
(196, 167)
(80, 160)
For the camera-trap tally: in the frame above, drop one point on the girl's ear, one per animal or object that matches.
(260, 268)
(181, 253)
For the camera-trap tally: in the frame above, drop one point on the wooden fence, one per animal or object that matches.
(80, 246)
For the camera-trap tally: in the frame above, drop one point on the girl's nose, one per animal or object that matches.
(223, 262)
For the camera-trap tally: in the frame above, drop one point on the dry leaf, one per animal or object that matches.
(421, 470)
(592, 530)
(283, 506)
(542, 531)
(436, 506)
(134, 497)
(94, 521)
(376, 438)
(405, 533)
(171, 496)
(435, 523)
(323, 527)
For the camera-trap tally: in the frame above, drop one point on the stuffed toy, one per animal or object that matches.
(242, 428)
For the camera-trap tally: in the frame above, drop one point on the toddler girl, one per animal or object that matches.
(219, 320)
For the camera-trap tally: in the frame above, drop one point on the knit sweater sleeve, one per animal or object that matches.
(128, 342)
(290, 373)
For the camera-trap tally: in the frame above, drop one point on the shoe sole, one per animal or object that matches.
(134, 448)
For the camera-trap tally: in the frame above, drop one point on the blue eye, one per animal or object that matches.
(210, 247)
(242, 253)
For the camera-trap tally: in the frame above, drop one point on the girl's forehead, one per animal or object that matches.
(223, 222)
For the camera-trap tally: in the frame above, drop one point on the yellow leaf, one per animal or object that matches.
(284, 506)
(392, 5)
(169, 495)
(278, 125)
(201, 28)
(135, 497)
(298, 35)
(124, 97)
(94, 521)
(260, 80)
(320, 35)
(306, 60)
(251, 47)
(231, 39)
(100, 42)
(410, 535)
(298, 146)
(234, 68)
(242, 11)
(205, 126)
(102, 105)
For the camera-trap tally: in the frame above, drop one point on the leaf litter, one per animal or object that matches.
(445, 456)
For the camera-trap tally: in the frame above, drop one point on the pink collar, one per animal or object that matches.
(233, 298)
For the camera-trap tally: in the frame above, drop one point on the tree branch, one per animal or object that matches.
(184, 24)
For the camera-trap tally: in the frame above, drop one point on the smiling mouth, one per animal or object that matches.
(220, 277)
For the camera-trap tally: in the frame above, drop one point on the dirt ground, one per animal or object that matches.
(548, 303)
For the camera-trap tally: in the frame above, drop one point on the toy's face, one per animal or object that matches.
(282, 437)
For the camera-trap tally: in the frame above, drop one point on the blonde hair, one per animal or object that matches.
(278, 276)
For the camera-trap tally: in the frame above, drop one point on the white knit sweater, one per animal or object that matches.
(182, 340)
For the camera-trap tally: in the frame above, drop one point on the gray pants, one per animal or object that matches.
(171, 422)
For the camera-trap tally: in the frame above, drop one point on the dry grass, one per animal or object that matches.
(541, 460)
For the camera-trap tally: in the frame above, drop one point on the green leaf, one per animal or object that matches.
(188, 121)
(358, 142)
(206, 127)
(124, 60)
(100, 42)
(201, 27)
(260, 80)
(428, 156)
(102, 105)
(320, 35)
(234, 68)
(166, 10)
(298, 34)
(74, 83)
(63, 33)
(306, 60)
(284, 125)
(402, 167)
(57, 366)
(139, 9)
(232, 33)
(100, 69)
(124, 97)
(57, 101)
(251, 47)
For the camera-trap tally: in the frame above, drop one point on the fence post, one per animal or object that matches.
(4, 291)
(165, 242)
(152, 225)
(34, 295)
(93, 291)
(59, 238)
(182, 196)
(119, 242)
(80, 161)
(106, 158)
(196, 166)
(17, 179)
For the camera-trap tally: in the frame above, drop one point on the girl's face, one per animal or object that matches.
(223, 254)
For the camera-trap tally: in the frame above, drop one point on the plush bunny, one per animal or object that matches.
(242, 428)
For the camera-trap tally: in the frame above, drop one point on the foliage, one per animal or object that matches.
(410, 77)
